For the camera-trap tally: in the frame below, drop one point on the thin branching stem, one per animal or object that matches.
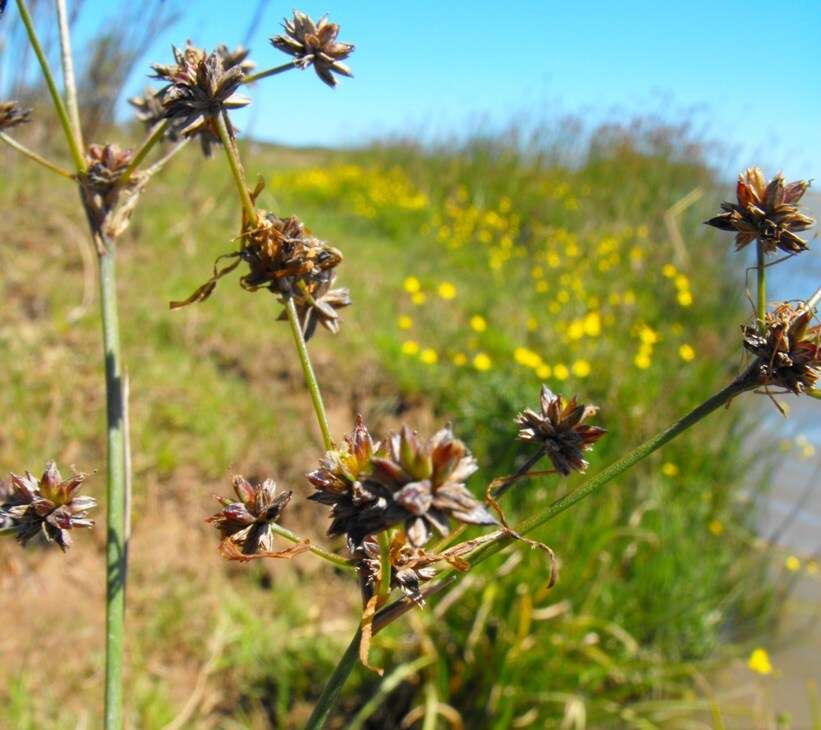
(154, 136)
(57, 100)
(334, 684)
(308, 371)
(269, 72)
(317, 550)
(40, 160)
(67, 63)
(115, 536)
(235, 164)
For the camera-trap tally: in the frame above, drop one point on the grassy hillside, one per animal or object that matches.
(477, 273)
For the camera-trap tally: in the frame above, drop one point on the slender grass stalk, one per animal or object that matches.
(48, 164)
(236, 166)
(115, 535)
(335, 682)
(67, 63)
(59, 106)
(154, 136)
(431, 706)
(269, 72)
(308, 372)
(761, 276)
(520, 472)
(10, 531)
(320, 552)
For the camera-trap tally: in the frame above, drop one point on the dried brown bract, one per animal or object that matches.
(410, 480)
(560, 429)
(12, 115)
(765, 211)
(245, 523)
(49, 506)
(319, 305)
(789, 351)
(237, 57)
(199, 86)
(315, 44)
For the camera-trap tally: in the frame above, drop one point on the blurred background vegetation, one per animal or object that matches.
(478, 270)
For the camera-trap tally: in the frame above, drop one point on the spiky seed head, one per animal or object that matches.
(49, 506)
(788, 352)
(559, 428)
(765, 211)
(245, 523)
(315, 44)
(12, 115)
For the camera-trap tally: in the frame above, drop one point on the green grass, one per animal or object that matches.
(567, 262)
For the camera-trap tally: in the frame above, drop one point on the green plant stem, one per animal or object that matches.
(431, 706)
(115, 536)
(761, 271)
(308, 372)
(320, 552)
(59, 106)
(154, 136)
(22, 149)
(334, 684)
(236, 166)
(67, 62)
(269, 72)
(10, 531)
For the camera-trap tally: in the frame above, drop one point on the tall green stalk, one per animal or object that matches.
(334, 684)
(115, 533)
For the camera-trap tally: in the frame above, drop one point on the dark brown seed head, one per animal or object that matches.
(49, 506)
(106, 163)
(199, 87)
(245, 523)
(765, 211)
(417, 482)
(12, 115)
(789, 351)
(148, 108)
(315, 44)
(237, 57)
(560, 429)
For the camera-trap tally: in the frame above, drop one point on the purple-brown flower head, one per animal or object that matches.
(789, 350)
(427, 480)
(12, 115)
(765, 211)
(245, 523)
(315, 44)
(148, 108)
(410, 480)
(560, 429)
(199, 87)
(237, 57)
(106, 163)
(49, 506)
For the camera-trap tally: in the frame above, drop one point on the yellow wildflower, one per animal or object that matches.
(428, 356)
(419, 297)
(685, 299)
(642, 361)
(459, 358)
(532, 324)
(482, 362)
(792, 563)
(561, 372)
(686, 353)
(759, 662)
(716, 527)
(592, 324)
(410, 347)
(447, 290)
(581, 368)
(669, 469)
(404, 322)
(812, 567)
(669, 271)
(478, 323)
(412, 285)
(544, 371)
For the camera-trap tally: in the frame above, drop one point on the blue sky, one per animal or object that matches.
(746, 73)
